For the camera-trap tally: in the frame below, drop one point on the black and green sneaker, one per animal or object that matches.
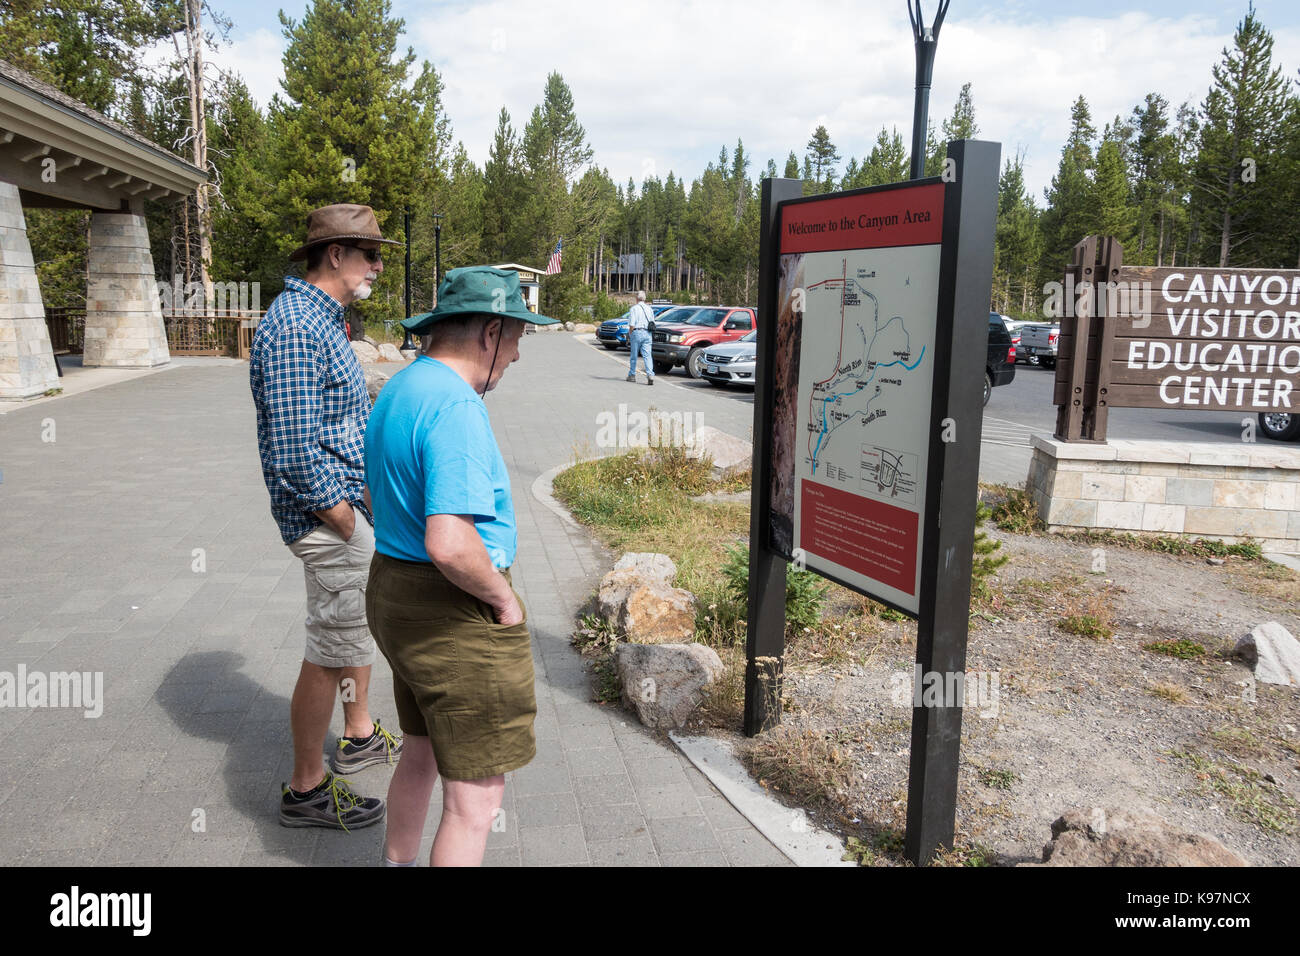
(332, 804)
(353, 755)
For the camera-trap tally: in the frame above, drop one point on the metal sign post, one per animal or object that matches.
(765, 637)
(956, 423)
(873, 311)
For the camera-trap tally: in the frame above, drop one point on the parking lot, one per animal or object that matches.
(1016, 411)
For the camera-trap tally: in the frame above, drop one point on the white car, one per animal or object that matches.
(731, 363)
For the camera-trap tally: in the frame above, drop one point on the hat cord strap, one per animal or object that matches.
(500, 332)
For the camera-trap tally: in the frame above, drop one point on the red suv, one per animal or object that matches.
(683, 343)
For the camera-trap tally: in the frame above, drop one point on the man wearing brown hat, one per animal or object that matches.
(312, 406)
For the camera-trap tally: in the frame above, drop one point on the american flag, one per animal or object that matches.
(553, 266)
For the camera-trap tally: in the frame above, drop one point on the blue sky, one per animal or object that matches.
(661, 84)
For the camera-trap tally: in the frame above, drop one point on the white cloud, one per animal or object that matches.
(662, 84)
(255, 56)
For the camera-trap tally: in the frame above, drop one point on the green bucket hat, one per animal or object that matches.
(478, 290)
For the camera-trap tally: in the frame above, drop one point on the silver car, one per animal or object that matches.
(731, 363)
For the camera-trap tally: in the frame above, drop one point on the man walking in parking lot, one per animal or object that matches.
(640, 319)
(440, 602)
(312, 406)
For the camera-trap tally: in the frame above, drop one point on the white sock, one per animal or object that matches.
(388, 862)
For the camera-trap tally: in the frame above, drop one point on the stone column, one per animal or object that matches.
(124, 323)
(26, 360)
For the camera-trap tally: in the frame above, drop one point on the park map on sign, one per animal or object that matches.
(867, 334)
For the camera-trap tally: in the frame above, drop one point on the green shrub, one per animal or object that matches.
(1183, 649)
(986, 560)
(805, 592)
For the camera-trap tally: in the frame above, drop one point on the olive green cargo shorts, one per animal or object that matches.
(458, 677)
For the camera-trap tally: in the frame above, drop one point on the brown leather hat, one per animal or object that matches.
(341, 221)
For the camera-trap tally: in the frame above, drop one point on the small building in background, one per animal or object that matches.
(530, 280)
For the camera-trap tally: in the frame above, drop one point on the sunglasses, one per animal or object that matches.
(372, 255)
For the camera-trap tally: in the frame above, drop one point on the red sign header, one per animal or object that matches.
(912, 216)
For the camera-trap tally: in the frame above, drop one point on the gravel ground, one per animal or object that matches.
(1077, 721)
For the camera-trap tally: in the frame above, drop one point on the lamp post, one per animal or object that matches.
(927, 41)
(408, 343)
(437, 254)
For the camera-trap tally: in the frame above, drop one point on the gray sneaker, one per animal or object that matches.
(379, 747)
(332, 805)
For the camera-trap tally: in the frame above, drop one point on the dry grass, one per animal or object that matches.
(1089, 615)
(810, 766)
(723, 702)
(1266, 580)
(1170, 692)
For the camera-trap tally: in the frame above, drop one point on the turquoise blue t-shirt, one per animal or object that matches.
(430, 450)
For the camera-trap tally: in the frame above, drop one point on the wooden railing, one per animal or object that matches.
(67, 327)
(216, 332)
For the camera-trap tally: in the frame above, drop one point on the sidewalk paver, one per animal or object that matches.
(139, 543)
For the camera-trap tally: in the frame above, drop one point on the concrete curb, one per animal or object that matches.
(1291, 561)
(542, 489)
(787, 830)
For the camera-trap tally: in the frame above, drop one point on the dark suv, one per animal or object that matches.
(1001, 366)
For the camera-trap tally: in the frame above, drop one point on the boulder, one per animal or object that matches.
(582, 327)
(1273, 653)
(659, 567)
(729, 453)
(1107, 836)
(614, 590)
(369, 341)
(569, 327)
(632, 571)
(388, 352)
(663, 683)
(365, 352)
(655, 613)
(638, 598)
(374, 382)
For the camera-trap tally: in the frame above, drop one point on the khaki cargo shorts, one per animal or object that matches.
(336, 573)
(459, 678)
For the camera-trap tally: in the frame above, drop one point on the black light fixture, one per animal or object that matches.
(408, 343)
(927, 41)
(437, 253)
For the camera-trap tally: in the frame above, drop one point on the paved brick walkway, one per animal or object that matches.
(139, 543)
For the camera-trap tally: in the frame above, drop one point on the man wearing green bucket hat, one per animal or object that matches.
(440, 604)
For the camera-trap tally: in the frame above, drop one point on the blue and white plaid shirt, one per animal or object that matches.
(312, 407)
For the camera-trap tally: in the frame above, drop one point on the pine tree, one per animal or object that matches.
(1017, 243)
(822, 156)
(1153, 169)
(503, 183)
(243, 246)
(1243, 120)
(961, 125)
(352, 126)
(86, 48)
(1114, 213)
(1071, 211)
(791, 166)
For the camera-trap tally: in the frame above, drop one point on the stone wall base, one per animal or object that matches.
(27, 366)
(1189, 489)
(124, 323)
